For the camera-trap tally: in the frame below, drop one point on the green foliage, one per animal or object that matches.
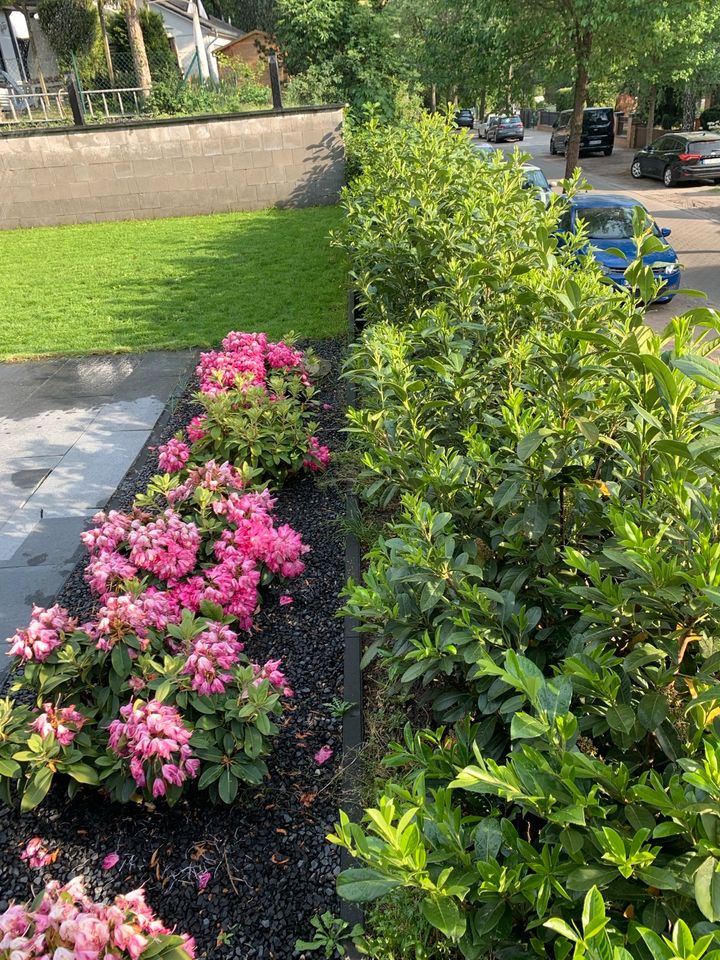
(161, 58)
(330, 932)
(548, 582)
(172, 96)
(71, 26)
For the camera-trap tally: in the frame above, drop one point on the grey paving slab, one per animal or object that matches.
(90, 377)
(50, 542)
(139, 414)
(45, 431)
(19, 478)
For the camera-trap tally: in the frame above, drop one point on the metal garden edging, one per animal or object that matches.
(352, 732)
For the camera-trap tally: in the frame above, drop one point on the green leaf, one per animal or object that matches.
(121, 661)
(593, 915)
(82, 772)
(529, 444)
(9, 768)
(707, 889)
(36, 789)
(444, 914)
(227, 786)
(363, 884)
(621, 718)
(525, 727)
(431, 593)
(564, 929)
(652, 710)
(488, 839)
(583, 878)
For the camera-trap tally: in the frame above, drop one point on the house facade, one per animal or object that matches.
(252, 49)
(194, 36)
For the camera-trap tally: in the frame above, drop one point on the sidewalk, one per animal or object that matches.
(71, 428)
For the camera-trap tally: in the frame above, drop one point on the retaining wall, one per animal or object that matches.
(170, 168)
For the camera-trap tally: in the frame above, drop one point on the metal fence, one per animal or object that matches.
(33, 104)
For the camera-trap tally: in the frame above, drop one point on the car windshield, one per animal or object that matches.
(535, 178)
(513, 120)
(703, 147)
(608, 223)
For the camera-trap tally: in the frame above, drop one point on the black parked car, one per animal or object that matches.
(680, 156)
(505, 128)
(598, 131)
(464, 118)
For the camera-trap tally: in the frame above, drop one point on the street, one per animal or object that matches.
(692, 211)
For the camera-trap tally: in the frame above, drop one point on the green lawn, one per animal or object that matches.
(152, 284)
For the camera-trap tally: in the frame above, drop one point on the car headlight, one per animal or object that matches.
(672, 268)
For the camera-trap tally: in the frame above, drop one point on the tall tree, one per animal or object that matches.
(137, 45)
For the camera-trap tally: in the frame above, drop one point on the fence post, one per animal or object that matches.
(75, 95)
(75, 104)
(275, 80)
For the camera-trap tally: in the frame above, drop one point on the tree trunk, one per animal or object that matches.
(483, 104)
(137, 45)
(106, 45)
(688, 107)
(433, 98)
(652, 100)
(583, 48)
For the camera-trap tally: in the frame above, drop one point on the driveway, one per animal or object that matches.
(691, 211)
(70, 429)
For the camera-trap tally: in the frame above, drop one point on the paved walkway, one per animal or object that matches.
(69, 430)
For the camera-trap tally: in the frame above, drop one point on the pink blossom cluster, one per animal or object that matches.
(154, 739)
(318, 456)
(271, 672)
(37, 855)
(217, 478)
(43, 634)
(196, 428)
(64, 723)
(173, 455)
(67, 925)
(213, 652)
(246, 360)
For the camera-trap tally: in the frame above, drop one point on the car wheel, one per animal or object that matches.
(669, 178)
(636, 170)
(608, 151)
(553, 151)
(521, 139)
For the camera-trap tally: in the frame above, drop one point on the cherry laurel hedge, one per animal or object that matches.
(548, 585)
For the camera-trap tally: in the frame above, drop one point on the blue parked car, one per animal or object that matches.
(609, 224)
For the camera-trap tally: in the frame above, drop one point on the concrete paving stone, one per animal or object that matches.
(138, 414)
(52, 541)
(142, 383)
(28, 373)
(88, 475)
(18, 480)
(90, 376)
(40, 432)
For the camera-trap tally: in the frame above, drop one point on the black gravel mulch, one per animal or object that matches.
(271, 866)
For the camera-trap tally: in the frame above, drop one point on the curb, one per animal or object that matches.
(352, 733)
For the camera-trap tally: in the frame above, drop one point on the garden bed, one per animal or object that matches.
(271, 868)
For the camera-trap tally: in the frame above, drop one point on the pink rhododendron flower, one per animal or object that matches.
(173, 455)
(318, 456)
(213, 652)
(63, 723)
(43, 634)
(37, 855)
(323, 755)
(204, 879)
(271, 672)
(327, 406)
(67, 925)
(196, 428)
(285, 600)
(246, 360)
(166, 546)
(151, 736)
(110, 860)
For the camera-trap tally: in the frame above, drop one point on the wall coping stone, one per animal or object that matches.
(165, 122)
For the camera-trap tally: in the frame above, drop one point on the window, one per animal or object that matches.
(607, 223)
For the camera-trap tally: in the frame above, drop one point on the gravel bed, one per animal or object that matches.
(271, 866)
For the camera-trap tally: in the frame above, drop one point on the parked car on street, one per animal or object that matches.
(534, 179)
(486, 150)
(598, 131)
(680, 156)
(608, 222)
(484, 124)
(503, 128)
(464, 118)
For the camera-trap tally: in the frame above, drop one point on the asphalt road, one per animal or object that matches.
(691, 211)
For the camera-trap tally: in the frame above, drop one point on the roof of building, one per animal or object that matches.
(215, 24)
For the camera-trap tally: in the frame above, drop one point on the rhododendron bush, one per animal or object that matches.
(258, 400)
(156, 693)
(139, 712)
(63, 923)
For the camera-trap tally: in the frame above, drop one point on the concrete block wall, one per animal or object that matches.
(171, 168)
